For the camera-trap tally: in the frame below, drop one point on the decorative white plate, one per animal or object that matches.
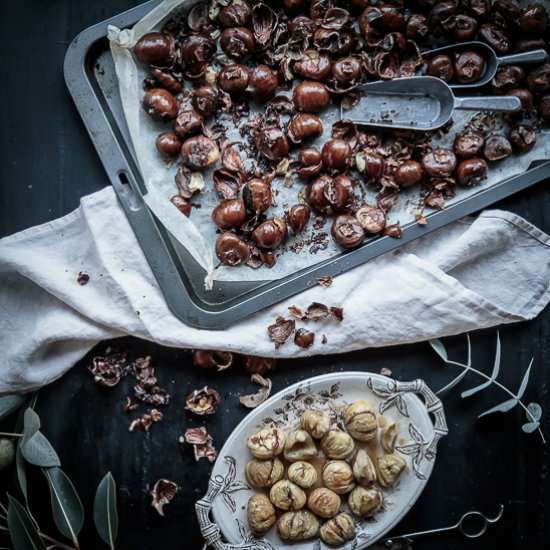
(417, 438)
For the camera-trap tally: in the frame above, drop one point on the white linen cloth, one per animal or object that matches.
(472, 274)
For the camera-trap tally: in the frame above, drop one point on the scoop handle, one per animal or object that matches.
(503, 104)
(533, 56)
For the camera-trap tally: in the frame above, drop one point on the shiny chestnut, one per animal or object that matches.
(374, 166)
(160, 104)
(237, 42)
(441, 66)
(182, 204)
(440, 162)
(155, 48)
(196, 52)
(544, 108)
(371, 218)
(236, 14)
(340, 193)
(496, 38)
(538, 80)
(293, 5)
(417, 26)
(336, 154)
(231, 250)
(257, 196)
(336, 43)
(310, 162)
(507, 78)
(205, 100)
(408, 173)
(304, 126)
(522, 137)
(311, 96)
(391, 18)
(464, 27)
(468, 67)
(347, 70)
(270, 234)
(272, 143)
(168, 144)
(347, 231)
(315, 193)
(263, 84)
(199, 152)
(188, 122)
(298, 217)
(471, 171)
(468, 143)
(526, 98)
(497, 148)
(234, 78)
(230, 213)
(533, 19)
(313, 65)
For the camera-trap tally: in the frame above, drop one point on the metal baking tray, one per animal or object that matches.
(90, 77)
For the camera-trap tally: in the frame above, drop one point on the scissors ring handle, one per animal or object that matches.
(473, 534)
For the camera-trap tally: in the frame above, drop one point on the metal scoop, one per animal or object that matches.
(492, 62)
(418, 103)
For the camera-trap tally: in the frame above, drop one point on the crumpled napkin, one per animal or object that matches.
(472, 274)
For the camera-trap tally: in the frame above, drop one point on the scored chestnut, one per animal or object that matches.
(371, 218)
(234, 78)
(160, 104)
(272, 143)
(526, 99)
(468, 143)
(315, 193)
(237, 42)
(441, 66)
(155, 48)
(340, 192)
(257, 196)
(497, 148)
(417, 26)
(471, 171)
(336, 154)
(168, 144)
(270, 234)
(310, 162)
(311, 96)
(205, 100)
(230, 213)
(298, 217)
(303, 126)
(347, 70)
(533, 19)
(347, 231)
(373, 166)
(263, 84)
(231, 250)
(439, 162)
(468, 67)
(522, 137)
(196, 52)
(313, 65)
(188, 122)
(236, 14)
(464, 27)
(199, 152)
(408, 173)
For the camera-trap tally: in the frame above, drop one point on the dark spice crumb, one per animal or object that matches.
(82, 278)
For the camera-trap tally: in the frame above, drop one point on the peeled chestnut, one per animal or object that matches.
(371, 218)
(533, 19)
(544, 108)
(160, 104)
(303, 126)
(270, 234)
(347, 69)
(310, 162)
(229, 213)
(236, 14)
(205, 100)
(439, 162)
(199, 152)
(522, 137)
(188, 122)
(408, 173)
(263, 84)
(347, 231)
(315, 193)
(468, 143)
(234, 78)
(441, 66)
(471, 171)
(231, 250)
(336, 154)
(310, 96)
(313, 65)
(257, 196)
(155, 48)
(272, 143)
(237, 42)
(340, 193)
(168, 144)
(468, 67)
(297, 217)
(196, 52)
(497, 148)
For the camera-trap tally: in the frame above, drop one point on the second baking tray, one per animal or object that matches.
(90, 77)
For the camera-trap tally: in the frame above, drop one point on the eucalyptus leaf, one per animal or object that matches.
(530, 427)
(67, 509)
(9, 404)
(494, 374)
(525, 381)
(105, 512)
(23, 533)
(535, 412)
(439, 348)
(31, 424)
(502, 407)
(21, 471)
(35, 447)
(453, 382)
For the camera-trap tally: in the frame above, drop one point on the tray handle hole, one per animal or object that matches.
(127, 193)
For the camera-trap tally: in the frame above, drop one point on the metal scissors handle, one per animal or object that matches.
(463, 525)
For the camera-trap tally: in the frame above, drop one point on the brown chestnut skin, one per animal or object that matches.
(544, 108)
(211, 359)
(160, 104)
(234, 78)
(236, 14)
(468, 143)
(293, 5)
(337, 43)
(374, 166)
(347, 70)
(310, 162)
(497, 148)
(371, 218)
(417, 26)
(468, 67)
(304, 126)
(526, 98)
(507, 78)
(538, 80)
(231, 250)
(257, 196)
(270, 234)
(313, 65)
(495, 37)
(183, 205)
(471, 171)
(340, 193)
(347, 231)
(237, 42)
(272, 143)
(199, 152)
(441, 66)
(230, 213)
(166, 79)
(188, 122)
(522, 137)
(442, 11)
(311, 96)
(408, 173)
(533, 19)
(263, 84)
(298, 217)
(315, 193)
(465, 28)
(155, 48)
(196, 52)
(205, 100)
(439, 162)
(336, 154)
(168, 144)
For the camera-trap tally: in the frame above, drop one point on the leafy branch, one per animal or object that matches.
(533, 411)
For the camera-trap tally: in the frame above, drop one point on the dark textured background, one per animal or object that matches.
(47, 163)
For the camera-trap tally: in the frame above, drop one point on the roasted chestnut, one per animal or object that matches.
(182, 204)
(188, 122)
(301, 27)
(495, 37)
(336, 154)
(263, 84)
(237, 42)
(479, 8)
(347, 231)
(471, 171)
(464, 27)
(391, 18)
(533, 19)
(231, 250)
(196, 52)
(347, 69)
(298, 217)
(199, 152)
(315, 193)
(417, 26)
(166, 79)
(212, 359)
(303, 126)
(544, 108)
(293, 5)
(408, 173)
(313, 65)
(340, 193)
(528, 44)
(234, 78)
(270, 234)
(468, 67)
(497, 148)
(160, 104)
(441, 12)
(155, 48)
(468, 143)
(310, 162)
(229, 213)
(522, 137)
(371, 218)
(507, 78)
(372, 166)
(310, 96)
(538, 80)
(168, 144)
(441, 66)
(236, 14)
(272, 143)
(335, 42)
(440, 162)
(205, 100)
(257, 196)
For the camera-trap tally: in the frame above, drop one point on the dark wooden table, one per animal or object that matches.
(47, 163)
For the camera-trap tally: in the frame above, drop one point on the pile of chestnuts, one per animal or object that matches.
(311, 473)
(295, 58)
